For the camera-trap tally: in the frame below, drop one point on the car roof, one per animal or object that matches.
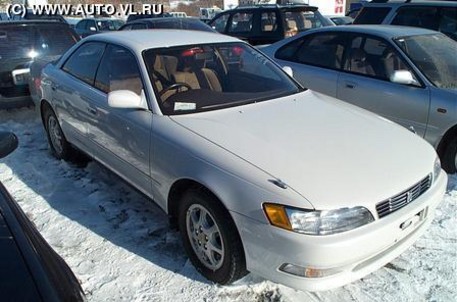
(157, 38)
(271, 6)
(412, 3)
(385, 31)
(164, 19)
(34, 22)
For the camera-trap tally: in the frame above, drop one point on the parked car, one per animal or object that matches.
(134, 17)
(90, 26)
(30, 15)
(167, 22)
(436, 15)
(21, 43)
(408, 75)
(257, 173)
(4, 16)
(341, 20)
(31, 269)
(266, 24)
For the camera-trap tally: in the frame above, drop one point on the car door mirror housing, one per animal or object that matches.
(92, 28)
(403, 77)
(125, 99)
(8, 143)
(288, 70)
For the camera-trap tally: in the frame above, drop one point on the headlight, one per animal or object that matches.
(317, 222)
(436, 168)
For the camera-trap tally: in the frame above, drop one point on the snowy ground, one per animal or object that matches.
(120, 247)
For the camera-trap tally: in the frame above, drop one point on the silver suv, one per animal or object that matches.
(436, 15)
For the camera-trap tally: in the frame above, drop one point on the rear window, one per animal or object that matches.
(372, 15)
(20, 42)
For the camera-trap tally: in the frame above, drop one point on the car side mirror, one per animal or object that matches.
(92, 28)
(288, 70)
(126, 99)
(8, 143)
(403, 77)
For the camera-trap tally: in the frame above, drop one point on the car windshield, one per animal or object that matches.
(21, 42)
(208, 77)
(434, 55)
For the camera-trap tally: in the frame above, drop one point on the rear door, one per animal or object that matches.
(365, 82)
(315, 60)
(72, 92)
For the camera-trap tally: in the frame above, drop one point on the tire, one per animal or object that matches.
(449, 158)
(208, 231)
(60, 147)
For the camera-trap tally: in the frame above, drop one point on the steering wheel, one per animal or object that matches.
(175, 86)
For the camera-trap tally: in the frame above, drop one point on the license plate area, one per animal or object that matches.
(415, 220)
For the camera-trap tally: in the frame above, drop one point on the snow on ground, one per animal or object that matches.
(120, 247)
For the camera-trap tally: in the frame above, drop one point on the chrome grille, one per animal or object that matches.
(398, 201)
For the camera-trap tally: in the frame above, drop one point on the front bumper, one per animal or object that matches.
(15, 102)
(350, 255)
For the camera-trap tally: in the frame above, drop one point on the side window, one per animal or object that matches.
(241, 23)
(372, 15)
(373, 57)
(448, 22)
(220, 23)
(81, 24)
(84, 61)
(268, 22)
(288, 51)
(323, 50)
(118, 71)
(90, 23)
(418, 17)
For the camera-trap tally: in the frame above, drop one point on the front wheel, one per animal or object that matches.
(449, 158)
(210, 237)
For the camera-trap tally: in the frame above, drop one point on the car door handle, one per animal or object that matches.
(92, 110)
(350, 85)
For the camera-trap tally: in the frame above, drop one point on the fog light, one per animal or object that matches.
(308, 272)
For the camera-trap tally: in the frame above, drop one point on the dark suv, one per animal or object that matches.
(266, 24)
(436, 15)
(21, 43)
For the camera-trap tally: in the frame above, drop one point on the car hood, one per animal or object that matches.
(330, 152)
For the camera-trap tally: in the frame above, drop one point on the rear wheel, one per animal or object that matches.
(60, 147)
(210, 237)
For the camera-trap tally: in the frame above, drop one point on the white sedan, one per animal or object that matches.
(259, 174)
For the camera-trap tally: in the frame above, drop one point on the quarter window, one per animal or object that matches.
(324, 50)
(84, 61)
(118, 71)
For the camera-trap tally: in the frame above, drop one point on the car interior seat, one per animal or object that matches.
(193, 73)
(359, 63)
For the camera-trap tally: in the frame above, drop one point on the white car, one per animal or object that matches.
(259, 174)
